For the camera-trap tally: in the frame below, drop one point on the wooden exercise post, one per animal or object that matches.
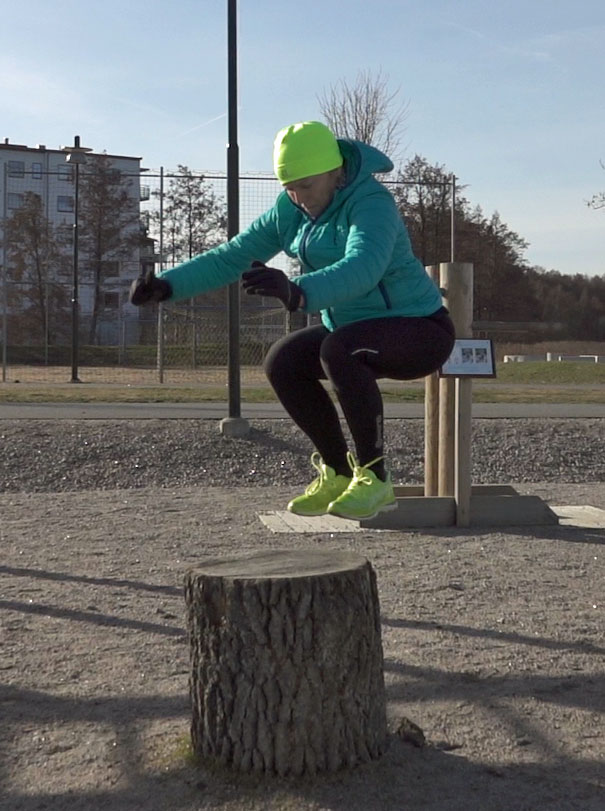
(461, 300)
(431, 420)
(455, 395)
(286, 662)
(448, 497)
(448, 402)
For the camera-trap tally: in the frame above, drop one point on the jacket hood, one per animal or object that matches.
(363, 160)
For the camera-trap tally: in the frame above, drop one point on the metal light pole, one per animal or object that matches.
(234, 425)
(76, 154)
(233, 204)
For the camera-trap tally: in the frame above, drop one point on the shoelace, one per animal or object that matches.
(317, 462)
(360, 475)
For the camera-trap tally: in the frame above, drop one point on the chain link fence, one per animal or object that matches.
(49, 260)
(116, 342)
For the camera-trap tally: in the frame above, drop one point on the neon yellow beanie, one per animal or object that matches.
(304, 149)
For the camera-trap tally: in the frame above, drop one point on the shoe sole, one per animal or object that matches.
(383, 509)
(307, 515)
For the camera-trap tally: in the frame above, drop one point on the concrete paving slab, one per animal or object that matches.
(584, 516)
(284, 521)
(578, 516)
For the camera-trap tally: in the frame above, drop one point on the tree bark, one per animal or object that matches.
(286, 662)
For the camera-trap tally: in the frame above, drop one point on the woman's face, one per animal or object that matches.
(314, 194)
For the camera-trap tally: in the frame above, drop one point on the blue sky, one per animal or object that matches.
(508, 96)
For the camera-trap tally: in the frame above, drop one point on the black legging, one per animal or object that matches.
(353, 358)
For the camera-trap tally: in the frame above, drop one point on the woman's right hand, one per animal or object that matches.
(147, 288)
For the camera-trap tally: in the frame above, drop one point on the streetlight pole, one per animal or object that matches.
(76, 154)
(233, 204)
(234, 424)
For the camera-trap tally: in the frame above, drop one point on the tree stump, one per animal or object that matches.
(286, 662)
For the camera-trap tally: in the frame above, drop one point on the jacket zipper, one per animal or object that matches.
(385, 295)
(303, 245)
(307, 264)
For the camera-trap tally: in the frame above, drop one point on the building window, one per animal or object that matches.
(36, 171)
(113, 175)
(111, 300)
(65, 204)
(110, 267)
(65, 173)
(16, 168)
(14, 200)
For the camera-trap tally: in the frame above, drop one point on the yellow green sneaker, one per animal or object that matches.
(366, 495)
(322, 490)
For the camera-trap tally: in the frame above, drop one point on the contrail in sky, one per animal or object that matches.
(205, 123)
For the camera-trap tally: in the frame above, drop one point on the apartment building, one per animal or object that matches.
(46, 173)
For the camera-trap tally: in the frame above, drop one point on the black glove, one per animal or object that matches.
(148, 288)
(263, 281)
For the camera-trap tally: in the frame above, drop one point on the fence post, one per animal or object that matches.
(4, 279)
(160, 325)
(160, 343)
(4, 322)
(453, 220)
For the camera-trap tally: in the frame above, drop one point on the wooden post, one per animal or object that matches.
(457, 278)
(431, 421)
(447, 396)
(286, 662)
(462, 451)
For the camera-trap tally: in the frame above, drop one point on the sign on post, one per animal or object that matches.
(470, 357)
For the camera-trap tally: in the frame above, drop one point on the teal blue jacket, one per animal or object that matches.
(356, 258)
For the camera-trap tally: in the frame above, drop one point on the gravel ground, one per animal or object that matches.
(493, 638)
(58, 456)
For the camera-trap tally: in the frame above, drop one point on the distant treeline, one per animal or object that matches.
(506, 288)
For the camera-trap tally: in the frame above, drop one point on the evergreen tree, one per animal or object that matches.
(503, 289)
(194, 219)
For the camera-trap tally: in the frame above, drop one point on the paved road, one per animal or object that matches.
(189, 411)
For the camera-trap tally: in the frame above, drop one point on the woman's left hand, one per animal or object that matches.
(261, 280)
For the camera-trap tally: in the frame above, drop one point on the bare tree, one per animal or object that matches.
(366, 111)
(37, 262)
(110, 225)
